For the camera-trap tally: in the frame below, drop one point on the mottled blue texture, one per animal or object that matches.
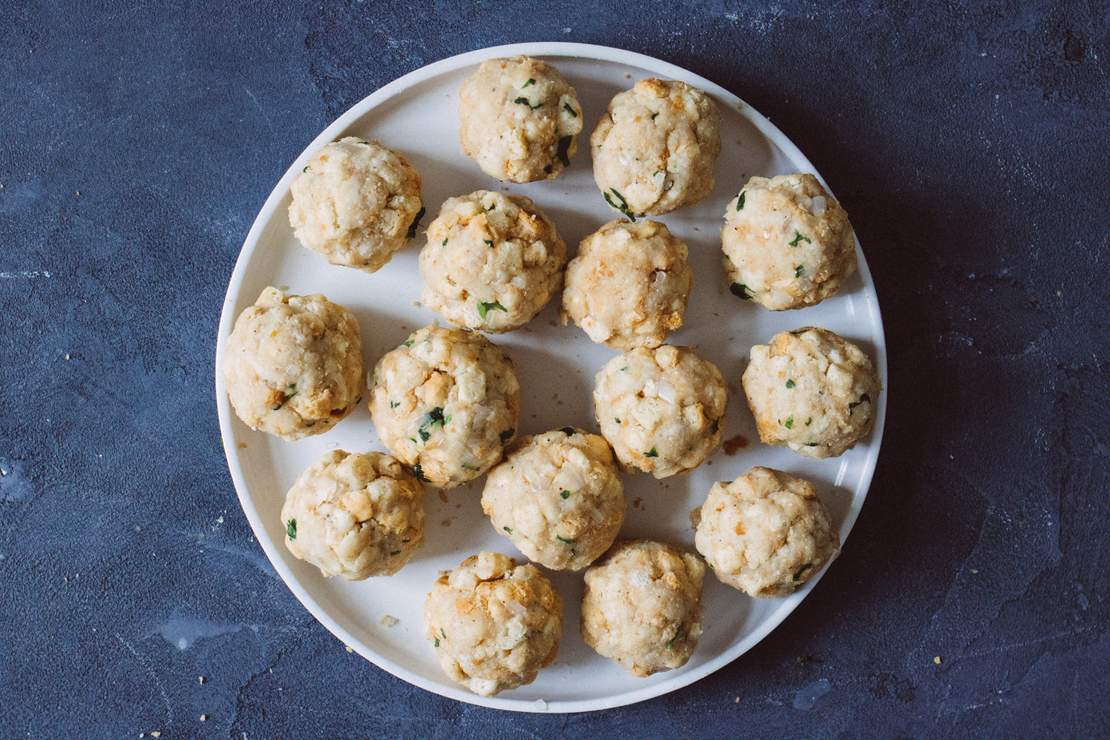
(968, 142)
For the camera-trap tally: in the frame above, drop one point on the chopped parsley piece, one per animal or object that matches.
(444, 244)
(530, 81)
(790, 383)
(564, 541)
(407, 342)
(562, 150)
(799, 271)
(616, 420)
(653, 115)
(435, 416)
(741, 199)
(740, 291)
(801, 571)
(424, 434)
(489, 242)
(789, 423)
(395, 552)
(567, 107)
(622, 206)
(485, 307)
(394, 404)
(862, 399)
(508, 529)
(418, 472)
(291, 529)
(673, 640)
(437, 642)
(415, 223)
(809, 421)
(564, 494)
(799, 237)
(651, 453)
(507, 435)
(569, 431)
(305, 168)
(524, 101)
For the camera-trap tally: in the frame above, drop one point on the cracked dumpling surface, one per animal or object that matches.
(492, 623)
(492, 261)
(354, 515)
(293, 364)
(787, 242)
(558, 498)
(446, 403)
(765, 533)
(811, 390)
(656, 147)
(662, 409)
(642, 606)
(628, 285)
(519, 119)
(355, 203)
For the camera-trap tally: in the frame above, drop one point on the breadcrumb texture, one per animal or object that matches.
(293, 364)
(446, 400)
(492, 261)
(765, 533)
(662, 409)
(811, 390)
(655, 149)
(492, 623)
(558, 498)
(354, 515)
(355, 203)
(519, 119)
(642, 606)
(787, 242)
(628, 285)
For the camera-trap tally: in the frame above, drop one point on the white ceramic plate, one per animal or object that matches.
(416, 115)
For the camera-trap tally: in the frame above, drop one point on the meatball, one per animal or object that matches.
(812, 391)
(494, 624)
(662, 409)
(293, 364)
(787, 242)
(629, 284)
(492, 261)
(354, 515)
(356, 203)
(558, 498)
(655, 149)
(642, 606)
(445, 402)
(765, 533)
(519, 119)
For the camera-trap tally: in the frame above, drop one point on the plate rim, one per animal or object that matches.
(548, 49)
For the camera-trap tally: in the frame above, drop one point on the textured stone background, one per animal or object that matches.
(969, 143)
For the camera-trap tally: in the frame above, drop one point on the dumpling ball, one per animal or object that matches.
(628, 285)
(519, 119)
(787, 242)
(356, 203)
(492, 261)
(354, 515)
(656, 147)
(493, 624)
(642, 606)
(662, 409)
(293, 364)
(558, 498)
(765, 533)
(811, 390)
(445, 403)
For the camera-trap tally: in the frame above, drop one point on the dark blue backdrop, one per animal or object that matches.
(970, 145)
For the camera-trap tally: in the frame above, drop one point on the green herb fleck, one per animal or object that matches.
(563, 149)
(799, 237)
(740, 201)
(394, 552)
(673, 640)
(567, 107)
(789, 423)
(407, 343)
(437, 642)
(418, 472)
(741, 291)
(809, 421)
(801, 571)
(651, 453)
(305, 168)
(434, 418)
(790, 383)
(862, 399)
(508, 529)
(291, 529)
(529, 82)
(564, 541)
(524, 101)
(443, 633)
(799, 271)
(653, 115)
(485, 307)
(394, 404)
(564, 494)
(415, 223)
(622, 206)
(489, 242)
(616, 420)
(569, 431)
(444, 244)
(507, 435)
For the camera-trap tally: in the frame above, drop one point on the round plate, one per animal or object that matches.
(416, 115)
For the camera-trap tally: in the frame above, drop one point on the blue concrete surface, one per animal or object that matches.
(969, 142)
